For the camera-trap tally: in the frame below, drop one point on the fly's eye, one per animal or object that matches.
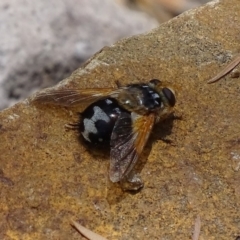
(169, 95)
(154, 82)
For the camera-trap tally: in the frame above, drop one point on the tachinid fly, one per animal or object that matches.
(123, 117)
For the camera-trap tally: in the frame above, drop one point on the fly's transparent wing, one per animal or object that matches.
(73, 97)
(128, 139)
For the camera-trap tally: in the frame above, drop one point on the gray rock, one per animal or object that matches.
(42, 42)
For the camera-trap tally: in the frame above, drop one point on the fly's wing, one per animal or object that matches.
(128, 139)
(74, 97)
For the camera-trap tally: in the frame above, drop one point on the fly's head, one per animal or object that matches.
(167, 97)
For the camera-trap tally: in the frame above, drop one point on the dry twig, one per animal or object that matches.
(197, 227)
(226, 70)
(86, 232)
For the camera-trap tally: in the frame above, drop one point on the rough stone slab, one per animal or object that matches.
(48, 177)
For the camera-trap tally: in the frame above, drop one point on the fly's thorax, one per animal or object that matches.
(148, 98)
(129, 99)
(140, 98)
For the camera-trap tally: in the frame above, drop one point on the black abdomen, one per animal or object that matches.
(98, 120)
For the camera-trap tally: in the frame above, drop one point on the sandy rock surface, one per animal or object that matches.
(42, 42)
(48, 176)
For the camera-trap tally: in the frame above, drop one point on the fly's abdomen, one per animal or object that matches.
(98, 120)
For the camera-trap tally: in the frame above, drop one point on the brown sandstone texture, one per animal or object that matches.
(48, 176)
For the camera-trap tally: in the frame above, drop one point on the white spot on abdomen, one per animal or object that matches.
(108, 101)
(99, 114)
(89, 127)
(89, 124)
